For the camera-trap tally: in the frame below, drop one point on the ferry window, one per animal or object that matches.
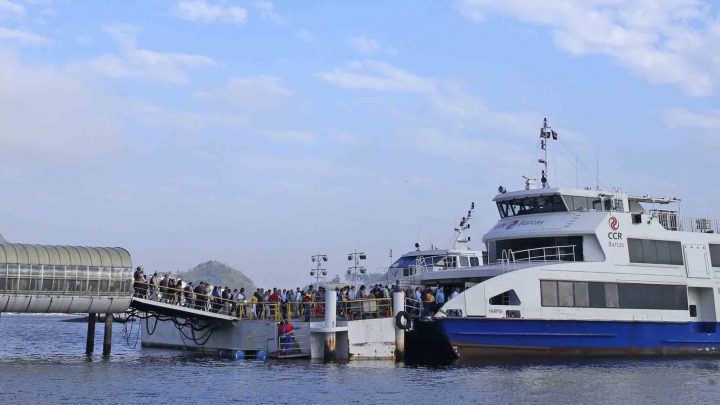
(548, 292)
(578, 203)
(649, 248)
(663, 251)
(531, 205)
(582, 298)
(531, 249)
(507, 298)
(715, 255)
(565, 294)
(655, 251)
(474, 261)
(611, 295)
(464, 261)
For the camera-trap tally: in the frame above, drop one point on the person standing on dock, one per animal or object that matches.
(189, 295)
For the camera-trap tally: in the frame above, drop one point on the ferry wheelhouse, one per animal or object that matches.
(587, 272)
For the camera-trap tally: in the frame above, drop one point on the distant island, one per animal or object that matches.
(219, 274)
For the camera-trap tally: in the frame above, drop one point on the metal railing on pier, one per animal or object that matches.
(276, 311)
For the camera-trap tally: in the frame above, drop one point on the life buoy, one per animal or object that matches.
(403, 320)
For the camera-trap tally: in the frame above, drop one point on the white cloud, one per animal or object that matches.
(267, 10)
(11, 8)
(363, 45)
(160, 117)
(672, 42)
(377, 75)
(138, 63)
(682, 118)
(23, 37)
(209, 13)
(257, 92)
(306, 36)
(45, 113)
(291, 136)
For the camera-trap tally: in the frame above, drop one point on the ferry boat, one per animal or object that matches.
(584, 272)
(411, 266)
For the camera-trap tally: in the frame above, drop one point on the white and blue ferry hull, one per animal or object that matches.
(491, 337)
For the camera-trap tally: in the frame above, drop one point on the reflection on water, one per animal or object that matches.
(42, 360)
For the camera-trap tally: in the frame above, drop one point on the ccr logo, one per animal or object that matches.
(614, 223)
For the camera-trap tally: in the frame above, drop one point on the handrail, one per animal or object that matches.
(291, 344)
(379, 307)
(545, 254)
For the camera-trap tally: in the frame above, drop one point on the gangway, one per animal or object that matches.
(173, 310)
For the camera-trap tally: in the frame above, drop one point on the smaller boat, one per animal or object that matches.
(411, 266)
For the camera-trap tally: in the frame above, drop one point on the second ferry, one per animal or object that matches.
(584, 272)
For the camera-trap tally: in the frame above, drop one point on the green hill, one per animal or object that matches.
(219, 274)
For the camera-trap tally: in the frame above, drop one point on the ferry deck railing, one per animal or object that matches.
(547, 254)
(673, 222)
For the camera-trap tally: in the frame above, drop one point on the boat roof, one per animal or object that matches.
(439, 252)
(537, 192)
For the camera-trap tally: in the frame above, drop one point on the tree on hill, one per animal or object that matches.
(219, 274)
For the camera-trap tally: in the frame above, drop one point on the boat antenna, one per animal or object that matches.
(597, 170)
(545, 134)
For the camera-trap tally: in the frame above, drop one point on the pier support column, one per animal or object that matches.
(398, 306)
(90, 341)
(107, 338)
(330, 322)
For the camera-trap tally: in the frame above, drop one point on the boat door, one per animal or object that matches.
(701, 305)
(696, 260)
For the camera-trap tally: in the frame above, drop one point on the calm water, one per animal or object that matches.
(42, 361)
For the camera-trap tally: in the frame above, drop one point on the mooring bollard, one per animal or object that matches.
(107, 339)
(399, 306)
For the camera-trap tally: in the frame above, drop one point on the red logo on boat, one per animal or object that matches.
(512, 224)
(614, 223)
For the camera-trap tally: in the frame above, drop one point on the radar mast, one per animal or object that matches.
(545, 134)
(461, 240)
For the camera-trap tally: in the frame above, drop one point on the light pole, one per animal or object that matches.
(354, 271)
(318, 272)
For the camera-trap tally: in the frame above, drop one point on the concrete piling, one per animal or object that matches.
(398, 306)
(107, 338)
(90, 341)
(330, 322)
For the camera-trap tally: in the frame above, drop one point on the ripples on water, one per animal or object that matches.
(42, 361)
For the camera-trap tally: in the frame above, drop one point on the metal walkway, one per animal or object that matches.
(163, 308)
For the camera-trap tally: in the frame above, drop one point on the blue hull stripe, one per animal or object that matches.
(524, 333)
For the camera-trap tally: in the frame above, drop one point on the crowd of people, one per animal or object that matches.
(281, 304)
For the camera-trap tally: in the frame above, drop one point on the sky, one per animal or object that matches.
(259, 133)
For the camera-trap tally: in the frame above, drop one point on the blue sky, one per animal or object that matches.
(258, 133)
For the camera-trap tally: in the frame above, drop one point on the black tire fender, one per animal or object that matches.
(403, 320)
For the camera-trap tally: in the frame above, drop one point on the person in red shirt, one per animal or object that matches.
(275, 300)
